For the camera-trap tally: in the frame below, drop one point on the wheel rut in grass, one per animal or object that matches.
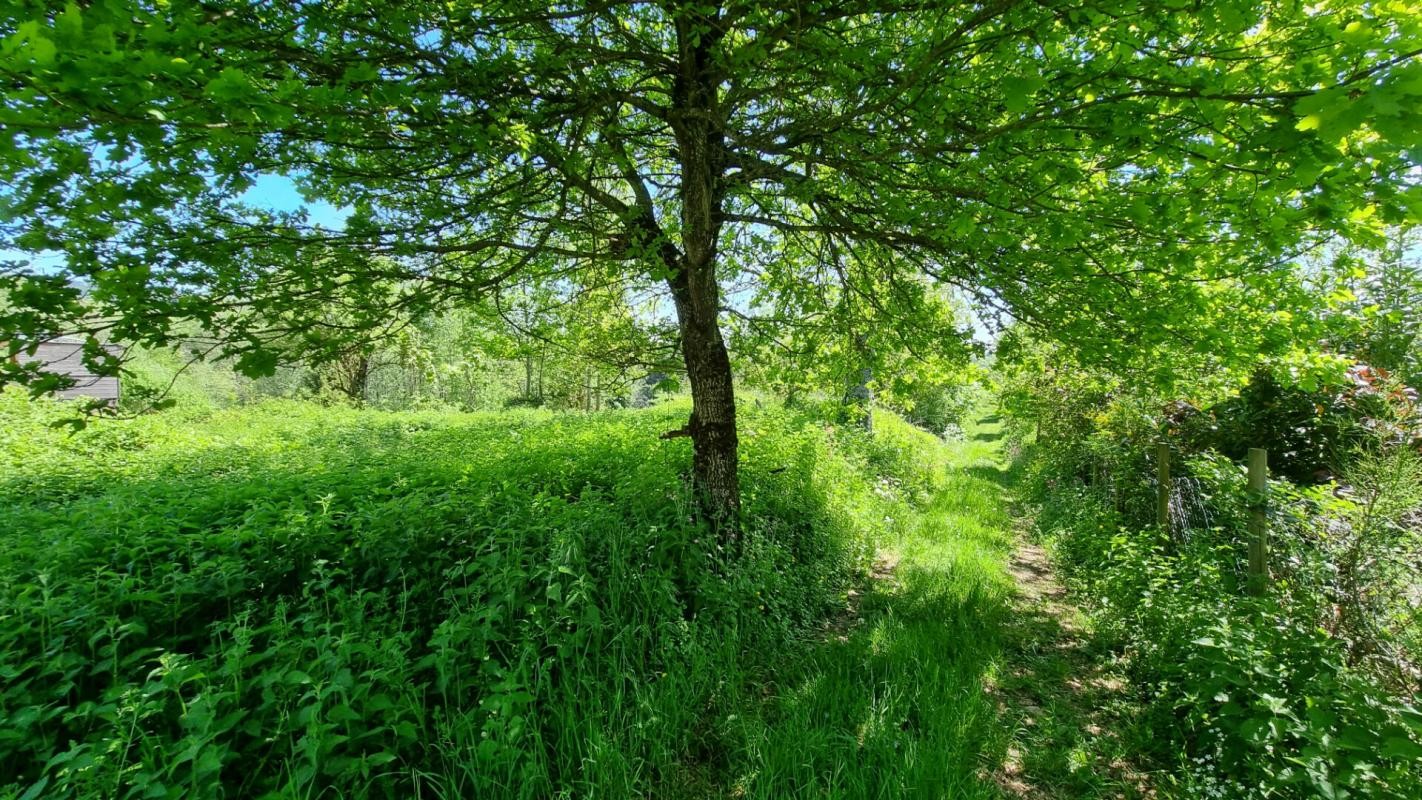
(1063, 695)
(958, 669)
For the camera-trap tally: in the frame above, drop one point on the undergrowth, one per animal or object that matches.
(299, 601)
(1270, 697)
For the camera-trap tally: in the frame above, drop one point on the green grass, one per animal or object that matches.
(947, 679)
(890, 700)
(295, 601)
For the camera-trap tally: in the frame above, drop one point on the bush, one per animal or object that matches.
(295, 600)
(1253, 699)
(941, 408)
(1311, 434)
(1256, 697)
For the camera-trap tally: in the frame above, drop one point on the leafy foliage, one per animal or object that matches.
(944, 407)
(296, 599)
(1377, 305)
(1260, 700)
(1120, 178)
(1310, 434)
(1308, 692)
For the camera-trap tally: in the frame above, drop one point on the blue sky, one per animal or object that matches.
(275, 192)
(279, 193)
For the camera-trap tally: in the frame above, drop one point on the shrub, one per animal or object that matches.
(1311, 434)
(1308, 692)
(941, 408)
(1253, 698)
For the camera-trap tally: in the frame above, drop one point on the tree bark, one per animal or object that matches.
(860, 397)
(693, 279)
(362, 379)
(712, 427)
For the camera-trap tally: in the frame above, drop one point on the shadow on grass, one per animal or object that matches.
(951, 677)
(893, 708)
(890, 701)
(1004, 479)
(1064, 696)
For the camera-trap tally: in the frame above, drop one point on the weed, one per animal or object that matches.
(296, 601)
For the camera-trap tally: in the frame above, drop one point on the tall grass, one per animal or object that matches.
(888, 701)
(297, 601)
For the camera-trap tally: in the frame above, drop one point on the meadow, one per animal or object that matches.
(293, 600)
(582, 400)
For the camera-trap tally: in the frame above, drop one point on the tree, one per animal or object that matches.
(1097, 169)
(1377, 295)
(858, 336)
(606, 336)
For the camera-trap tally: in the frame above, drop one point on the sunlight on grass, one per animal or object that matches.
(897, 708)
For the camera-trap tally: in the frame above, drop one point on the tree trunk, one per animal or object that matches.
(860, 397)
(693, 280)
(712, 427)
(362, 379)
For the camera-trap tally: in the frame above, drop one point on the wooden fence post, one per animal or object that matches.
(1162, 486)
(1258, 521)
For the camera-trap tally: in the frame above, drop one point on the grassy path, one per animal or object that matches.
(1065, 698)
(962, 674)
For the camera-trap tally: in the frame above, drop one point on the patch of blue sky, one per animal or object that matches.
(280, 193)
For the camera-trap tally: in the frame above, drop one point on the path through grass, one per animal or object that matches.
(953, 674)
(1072, 715)
(892, 702)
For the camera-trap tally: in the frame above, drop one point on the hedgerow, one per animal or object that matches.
(1308, 691)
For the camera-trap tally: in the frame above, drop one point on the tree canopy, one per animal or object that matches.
(1123, 176)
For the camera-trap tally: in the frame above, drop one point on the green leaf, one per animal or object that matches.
(230, 84)
(35, 789)
(1017, 92)
(69, 23)
(257, 363)
(42, 50)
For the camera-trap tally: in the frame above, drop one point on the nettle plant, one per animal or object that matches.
(295, 600)
(1119, 177)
